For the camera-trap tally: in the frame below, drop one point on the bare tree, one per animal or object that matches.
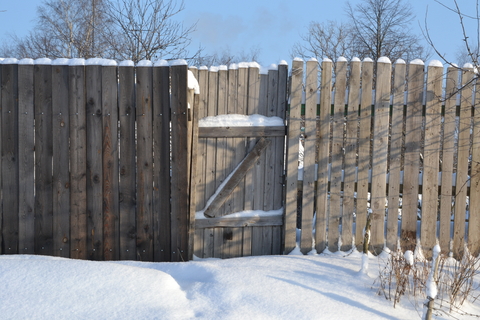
(382, 28)
(226, 57)
(145, 29)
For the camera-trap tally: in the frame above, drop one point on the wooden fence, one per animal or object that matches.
(413, 142)
(86, 166)
(100, 161)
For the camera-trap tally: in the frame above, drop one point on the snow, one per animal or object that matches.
(384, 60)
(61, 62)
(161, 63)
(10, 61)
(109, 63)
(245, 214)
(367, 60)
(468, 65)
(178, 62)
(435, 63)
(325, 286)
(43, 61)
(77, 62)
(356, 59)
(145, 63)
(297, 59)
(283, 63)
(417, 61)
(409, 257)
(238, 120)
(26, 61)
(94, 62)
(343, 59)
(126, 63)
(400, 61)
(192, 82)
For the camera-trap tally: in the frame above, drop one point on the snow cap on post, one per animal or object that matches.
(367, 60)
(94, 62)
(417, 61)
(43, 61)
(435, 63)
(400, 61)
(283, 63)
(61, 62)
(355, 59)
(26, 61)
(297, 59)
(109, 63)
(76, 62)
(161, 63)
(178, 62)
(384, 60)
(327, 60)
(126, 63)
(145, 63)
(342, 59)
(192, 83)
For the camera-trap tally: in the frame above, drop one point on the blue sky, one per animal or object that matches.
(271, 26)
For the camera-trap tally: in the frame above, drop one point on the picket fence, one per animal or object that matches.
(103, 161)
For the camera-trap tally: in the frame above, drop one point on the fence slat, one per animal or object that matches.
(448, 143)
(323, 134)
(61, 178)
(127, 166)
(292, 156)
(380, 150)
(9, 154)
(462, 163)
(145, 224)
(111, 236)
(161, 173)
(431, 157)
(309, 155)
(413, 136)
(396, 145)
(351, 143)
(364, 150)
(180, 176)
(43, 160)
(474, 213)
(26, 149)
(335, 212)
(93, 74)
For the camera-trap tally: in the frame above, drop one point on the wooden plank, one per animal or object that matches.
(380, 151)
(43, 160)
(474, 213)
(463, 147)
(202, 143)
(127, 166)
(364, 151)
(351, 145)
(9, 162)
(323, 133)
(180, 159)
(412, 156)
(145, 226)
(211, 144)
(241, 132)
(431, 157)
(396, 146)
(335, 212)
(61, 175)
(193, 101)
(292, 156)
(161, 169)
(310, 140)
(231, 143)
(26, 147)
(226, 189)
(448, 148)
(221, 167)
(93, 74)
(111, 226)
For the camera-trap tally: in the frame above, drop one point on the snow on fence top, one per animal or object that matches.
(238, 120)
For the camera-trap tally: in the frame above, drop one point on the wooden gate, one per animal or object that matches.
(240, 165)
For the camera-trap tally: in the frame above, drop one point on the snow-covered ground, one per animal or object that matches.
(326, 286)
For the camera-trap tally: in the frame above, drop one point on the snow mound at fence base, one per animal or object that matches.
(325, 286)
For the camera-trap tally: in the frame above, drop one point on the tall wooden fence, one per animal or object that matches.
(86, 166)
(407, 152)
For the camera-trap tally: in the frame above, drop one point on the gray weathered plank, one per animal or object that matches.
(474, 213)
(127, 166)
(241, 132)
(61, 176)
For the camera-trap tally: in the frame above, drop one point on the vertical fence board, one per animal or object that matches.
(462, 163)
(309, 156)
(43, 160)
(144, 163)
(111, 227)
(396, 145)
(180, 203)
(335, 212)
(364, 150)
(26, 163)
(448, 148)
(351, 144)
(474, 213)
(202, 143)
(9, 162)
(61, 178)
(93, 74)
(242, 95)
(323, 128)
(127, 166)
(431, 157)
(412, 156)
(380, 150)
(292, 156)
(161, 173)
